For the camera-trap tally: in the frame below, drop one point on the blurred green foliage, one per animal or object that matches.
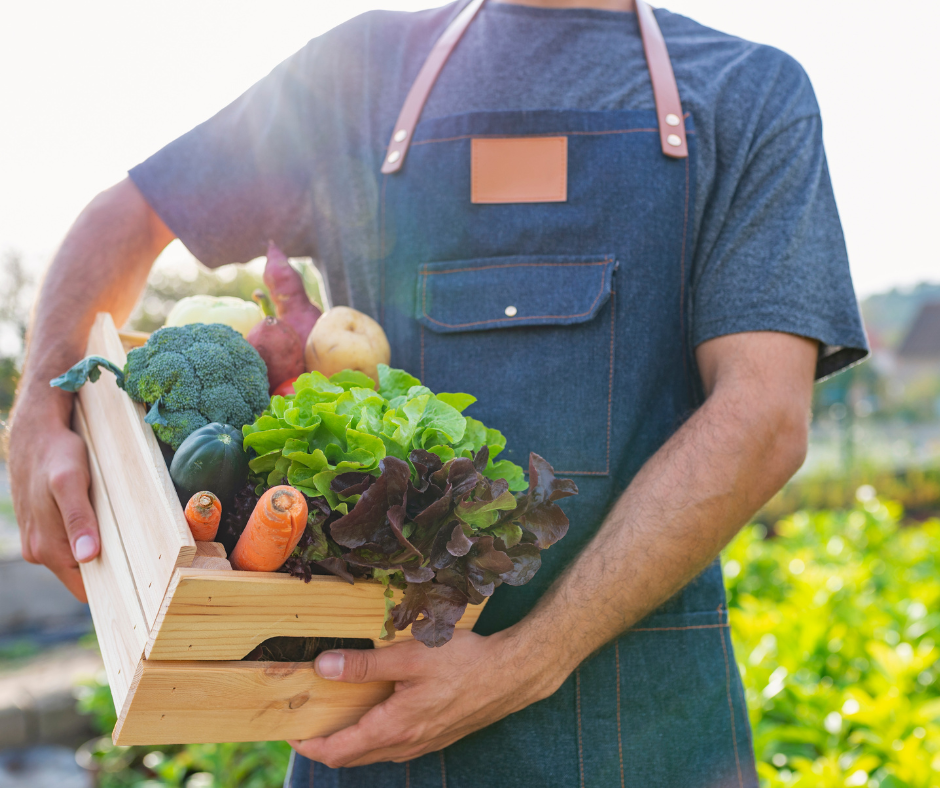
(916, 489)
(834, 622)
(16, 287)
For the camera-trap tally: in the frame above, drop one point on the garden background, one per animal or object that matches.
(833, 589)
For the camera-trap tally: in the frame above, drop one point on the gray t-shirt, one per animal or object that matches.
(296, 159)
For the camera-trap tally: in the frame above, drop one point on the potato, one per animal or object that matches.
(344, 338)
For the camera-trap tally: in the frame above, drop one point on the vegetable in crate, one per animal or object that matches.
(289, 295)
(278, 344)
(345, 338)
(273, 530)
(211, 458)
(190, 376)
(203, 513)
(230, 311)
(406, 489)
(285, 389)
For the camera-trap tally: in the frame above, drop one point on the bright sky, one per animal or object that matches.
(91, 88)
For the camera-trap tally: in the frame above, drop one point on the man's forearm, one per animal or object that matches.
(102, 266)
(686, 503)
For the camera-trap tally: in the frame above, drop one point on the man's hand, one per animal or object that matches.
(684, 505)
(49, 481)
(441, 695)
(101, 266)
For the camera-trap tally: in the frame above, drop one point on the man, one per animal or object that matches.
(639, 289)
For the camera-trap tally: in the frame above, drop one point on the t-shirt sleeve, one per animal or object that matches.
(243, 177)
(775, 256)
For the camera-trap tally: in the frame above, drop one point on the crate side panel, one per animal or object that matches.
(109, 585)
(116, 343)
(133, 471)
(213, 702)
(224, 615)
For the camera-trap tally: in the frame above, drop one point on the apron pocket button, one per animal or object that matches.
(511, 311)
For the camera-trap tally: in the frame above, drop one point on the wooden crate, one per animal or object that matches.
(171, 635)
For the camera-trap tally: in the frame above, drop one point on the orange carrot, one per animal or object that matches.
(273, 530)
(203, 513)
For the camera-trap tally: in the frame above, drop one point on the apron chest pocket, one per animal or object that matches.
(532, 338)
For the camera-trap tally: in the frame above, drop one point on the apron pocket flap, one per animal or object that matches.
(502, 292)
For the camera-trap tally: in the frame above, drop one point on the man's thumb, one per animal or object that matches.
(70, 491)
(356, 667)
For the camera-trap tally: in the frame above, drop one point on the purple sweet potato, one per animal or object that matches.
(280, 347)
(288, 293)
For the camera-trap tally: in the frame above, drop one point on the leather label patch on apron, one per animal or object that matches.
(518, 169)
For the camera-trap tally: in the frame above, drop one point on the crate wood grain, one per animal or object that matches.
(169, 634)
(153, 529)
(112, 596)
(206, 702)
(224, 615)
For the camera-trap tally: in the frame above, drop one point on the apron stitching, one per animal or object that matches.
(382, 247)
(685, 227)
(540, 134)
(619, 736)
(610, 385)
(312, 774)
(674, 629)
(407, 774)
(577, 684)
(734, 732)
(500, 321)
(747, 730)
(422, 352)
(583, 473)
(424, 309)
(443, 771)
(605, 261)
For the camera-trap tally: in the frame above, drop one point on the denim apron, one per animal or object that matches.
(569, 321)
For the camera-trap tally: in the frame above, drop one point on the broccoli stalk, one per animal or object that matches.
(85, 370)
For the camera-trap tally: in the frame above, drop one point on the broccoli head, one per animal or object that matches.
(195, 374)
(179, 425)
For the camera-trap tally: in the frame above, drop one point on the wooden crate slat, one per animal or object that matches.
(211, 549)
(152, 526)
(112, 596)
(224, 615)
(212, 702)
(177, 518)
(131, 339)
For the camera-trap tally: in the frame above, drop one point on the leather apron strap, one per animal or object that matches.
(665, 91)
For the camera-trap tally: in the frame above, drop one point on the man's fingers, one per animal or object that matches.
(358, 667)
(374, 733)
(69, 486)
(71, 578)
